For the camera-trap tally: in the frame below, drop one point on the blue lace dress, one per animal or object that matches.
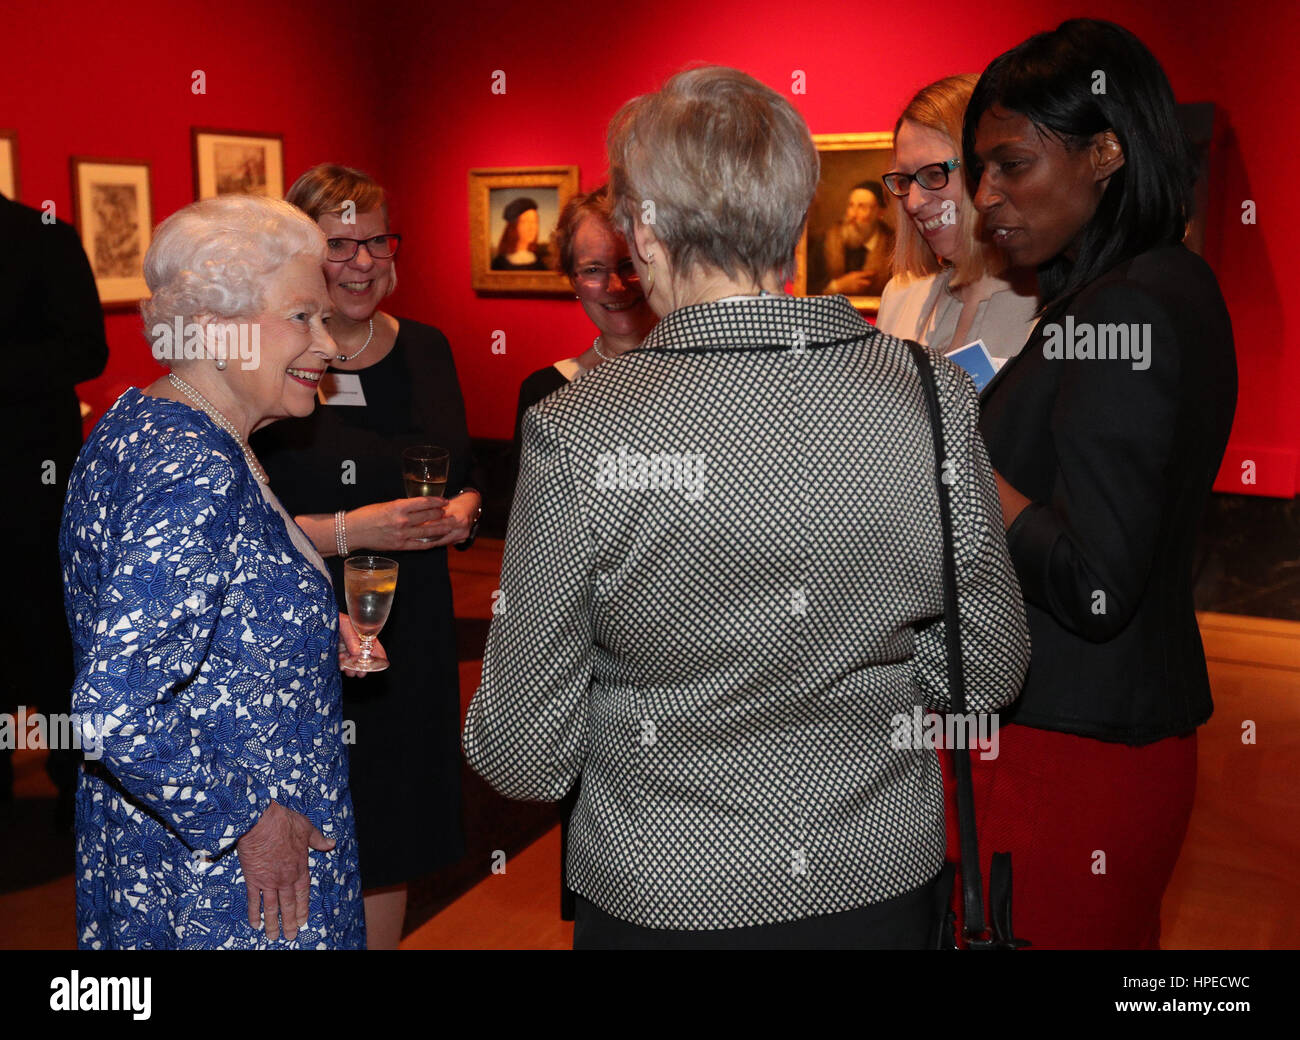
(206, 656)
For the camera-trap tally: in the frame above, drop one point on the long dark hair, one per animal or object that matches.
(1050, 80)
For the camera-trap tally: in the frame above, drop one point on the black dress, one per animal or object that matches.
(539, 385)
(405, 762)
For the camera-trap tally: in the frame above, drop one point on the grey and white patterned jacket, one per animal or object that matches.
(721, 594)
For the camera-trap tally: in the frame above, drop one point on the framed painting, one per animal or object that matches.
(512, 218)
(848, 243)
(113, 210)
(9, 164)
(237, 162)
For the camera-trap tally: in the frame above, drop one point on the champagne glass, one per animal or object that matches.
(369, 583)
(424, 470)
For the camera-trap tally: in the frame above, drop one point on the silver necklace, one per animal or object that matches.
(595, 345)
(349, 357)
(206, 407)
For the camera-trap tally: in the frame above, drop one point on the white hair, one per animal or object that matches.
(214, 256)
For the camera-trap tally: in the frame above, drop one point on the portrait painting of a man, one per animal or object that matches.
(858, 249)
(849, 243)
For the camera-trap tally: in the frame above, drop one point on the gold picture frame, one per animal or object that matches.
(230, 162)
(848, 160)
(112, 205)
(9, 164)
(494, 192)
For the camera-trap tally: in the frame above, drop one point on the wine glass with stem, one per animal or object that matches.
(369, 583)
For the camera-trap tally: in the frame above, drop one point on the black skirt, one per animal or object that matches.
(905, 922)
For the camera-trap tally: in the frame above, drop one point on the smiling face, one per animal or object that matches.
(358, 285)
(916, 146)
(295, 346)
(617, 308)
(1036, 195)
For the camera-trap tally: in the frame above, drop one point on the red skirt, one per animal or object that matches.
(1094, 830)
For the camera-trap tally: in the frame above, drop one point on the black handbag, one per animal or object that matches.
(997, 934)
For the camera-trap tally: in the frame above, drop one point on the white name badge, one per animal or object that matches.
(340, 388)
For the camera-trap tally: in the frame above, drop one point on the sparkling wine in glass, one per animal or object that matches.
(369, 583)
(424, 471)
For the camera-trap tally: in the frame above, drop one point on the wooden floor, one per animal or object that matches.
(1236, 885)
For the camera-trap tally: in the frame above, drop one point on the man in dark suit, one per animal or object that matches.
(51, 338)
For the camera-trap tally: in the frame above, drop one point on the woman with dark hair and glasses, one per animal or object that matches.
(598, 263)
(1106, 433)
(950, 287)
(391, 386)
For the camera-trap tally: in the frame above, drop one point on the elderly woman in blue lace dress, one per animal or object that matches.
(206, 631)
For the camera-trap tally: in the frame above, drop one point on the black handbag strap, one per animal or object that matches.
(973, 927)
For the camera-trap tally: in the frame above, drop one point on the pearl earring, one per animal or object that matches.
(221, 364)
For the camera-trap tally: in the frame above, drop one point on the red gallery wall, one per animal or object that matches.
(113, 80)
(406, 94)
(567, 74)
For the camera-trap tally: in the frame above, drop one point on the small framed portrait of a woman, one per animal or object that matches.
(113, 209)
(237, 162)
(848, 246)
(512, 218)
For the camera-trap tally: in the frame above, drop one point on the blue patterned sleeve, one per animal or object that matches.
(168, 555)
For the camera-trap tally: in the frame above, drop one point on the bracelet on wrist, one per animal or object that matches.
(341, 532)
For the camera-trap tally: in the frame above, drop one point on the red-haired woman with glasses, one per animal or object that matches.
(599, 267)
(598, 263)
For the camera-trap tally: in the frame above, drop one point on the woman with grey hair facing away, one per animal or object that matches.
(721, 597)
(213, 809)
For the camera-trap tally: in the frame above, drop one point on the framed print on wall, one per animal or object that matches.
(230, 162)
(9, 164)
(848, 243)
(113, 210)
(512, 218)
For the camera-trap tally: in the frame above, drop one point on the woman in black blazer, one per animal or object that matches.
(1106, 433)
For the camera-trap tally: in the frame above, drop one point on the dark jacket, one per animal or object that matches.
(1119, 462)
(52, 334)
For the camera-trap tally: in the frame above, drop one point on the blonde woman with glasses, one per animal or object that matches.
(950, 284)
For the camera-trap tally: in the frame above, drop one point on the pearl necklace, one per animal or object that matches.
(349, 357)
(206, 407)
(595, 345)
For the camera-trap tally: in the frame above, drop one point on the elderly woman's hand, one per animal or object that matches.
(402, 524)
(350, 647)
(273, 857)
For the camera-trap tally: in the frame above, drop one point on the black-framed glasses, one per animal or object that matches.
(596, 276)
(932, 177)
(381, 247)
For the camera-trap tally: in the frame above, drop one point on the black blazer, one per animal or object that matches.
(1119, 462)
